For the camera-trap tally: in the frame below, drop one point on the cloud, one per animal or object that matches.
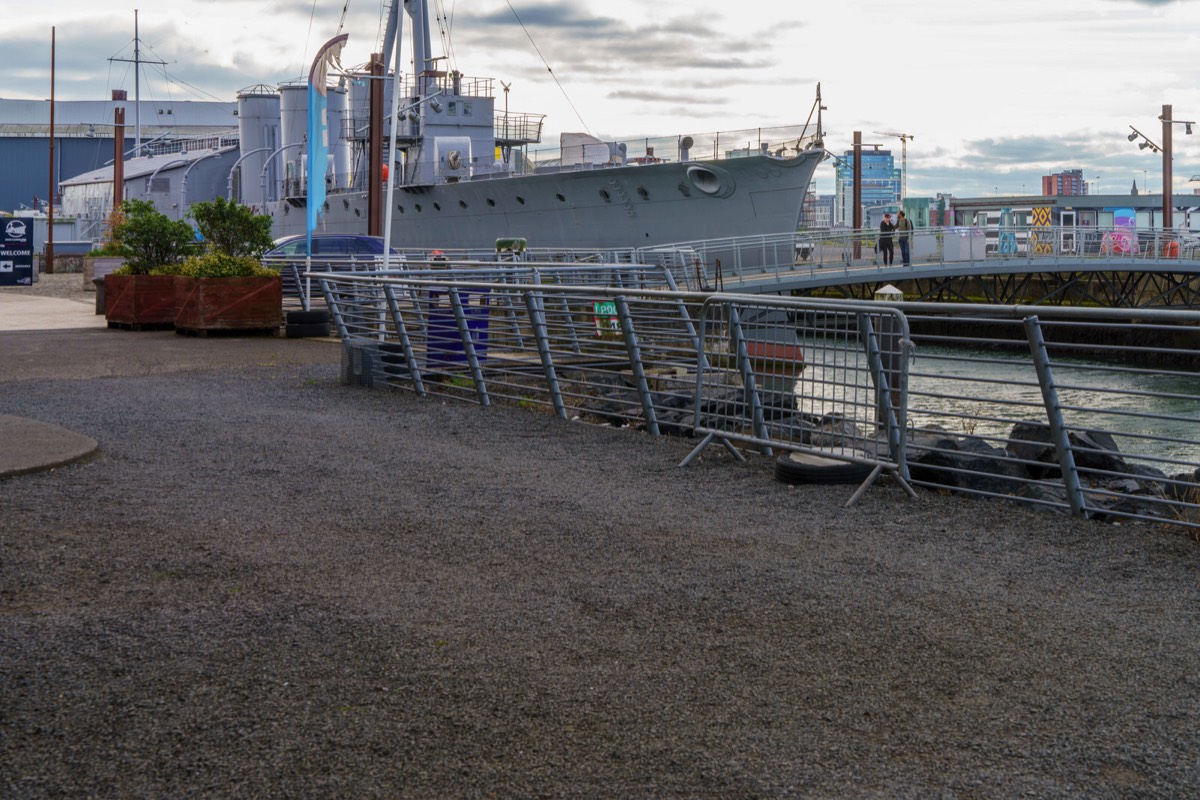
(614, 46)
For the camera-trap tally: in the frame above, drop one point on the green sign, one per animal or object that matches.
(605, 312)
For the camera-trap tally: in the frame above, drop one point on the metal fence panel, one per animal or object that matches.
(1081, 410)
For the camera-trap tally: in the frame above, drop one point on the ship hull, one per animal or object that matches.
(604, 208)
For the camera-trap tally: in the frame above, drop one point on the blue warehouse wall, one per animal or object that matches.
(24, 165)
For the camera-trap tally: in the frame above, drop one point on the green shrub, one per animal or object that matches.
(215, 264)
(107, 250)
(150, 239)
(232, 228)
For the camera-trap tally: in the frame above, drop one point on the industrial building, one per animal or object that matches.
(84, 139)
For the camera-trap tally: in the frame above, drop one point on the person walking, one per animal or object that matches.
(885, 240)
(905, 226)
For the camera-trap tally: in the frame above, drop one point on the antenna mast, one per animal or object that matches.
(137, 85)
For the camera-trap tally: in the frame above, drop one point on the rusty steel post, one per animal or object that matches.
(1168, 202)
(375, 149)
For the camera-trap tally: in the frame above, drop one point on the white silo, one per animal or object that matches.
(258, 130)
(293, 113)
(340, 151)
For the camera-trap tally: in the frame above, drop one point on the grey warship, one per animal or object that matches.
(466, 174)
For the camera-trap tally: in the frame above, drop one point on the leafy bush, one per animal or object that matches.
(150, 239)
(107, 250)
(232, 228)
(215, 264)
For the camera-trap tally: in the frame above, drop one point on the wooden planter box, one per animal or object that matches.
(228, 304)
(99, 267)
(139, 301)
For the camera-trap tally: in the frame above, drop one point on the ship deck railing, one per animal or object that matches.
(783, 141)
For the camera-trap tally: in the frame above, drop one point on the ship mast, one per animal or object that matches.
(137, 62)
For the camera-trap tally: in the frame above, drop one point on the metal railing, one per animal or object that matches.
(806, 376)
(1083, 411)
(831, 255)
(783, 141)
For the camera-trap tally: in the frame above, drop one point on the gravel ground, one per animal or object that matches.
(269, 584)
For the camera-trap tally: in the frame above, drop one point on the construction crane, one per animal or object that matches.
(903, 137)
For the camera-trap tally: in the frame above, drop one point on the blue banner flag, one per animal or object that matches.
(318, 130)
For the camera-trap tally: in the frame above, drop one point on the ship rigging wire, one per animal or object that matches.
(561, 88)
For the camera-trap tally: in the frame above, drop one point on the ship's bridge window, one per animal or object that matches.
(452, 108)
(466, 109)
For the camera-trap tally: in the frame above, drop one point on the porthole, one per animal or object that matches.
(418, 208)
(645, 195)
(462, 203)
(520, 200)
(684, 190)
(605, 196)
(357, 213)
(491, 203)
(400, 209)
(345, 204)
(560, 198)
(437, 206)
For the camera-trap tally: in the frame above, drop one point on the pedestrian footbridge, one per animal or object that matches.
(1122, 268)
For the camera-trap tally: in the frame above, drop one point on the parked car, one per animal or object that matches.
(328, 244)
(332, 252)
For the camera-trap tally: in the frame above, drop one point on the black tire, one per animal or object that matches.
(307, 330)
(797, 468)
(307, 317)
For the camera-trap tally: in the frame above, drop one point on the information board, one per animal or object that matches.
(16, 251)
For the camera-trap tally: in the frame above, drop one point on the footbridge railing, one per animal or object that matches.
(1084, 411)
(832, 257)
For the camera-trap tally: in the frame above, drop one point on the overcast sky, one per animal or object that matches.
(995, 95)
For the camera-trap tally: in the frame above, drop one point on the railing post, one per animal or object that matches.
(468, 343)
(334, 309)
(537, 321)
(749, 384)
(635, 363)
(886, 357)
(414, 366)
(1058, 430)
(685, 316)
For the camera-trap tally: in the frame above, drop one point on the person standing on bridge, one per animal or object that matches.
(885, 240)
(904, 225)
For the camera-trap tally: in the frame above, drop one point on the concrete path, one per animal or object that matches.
(33, 313)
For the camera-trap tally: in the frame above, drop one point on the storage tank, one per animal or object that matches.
(340, 151)
(258, 130)
(293, 114)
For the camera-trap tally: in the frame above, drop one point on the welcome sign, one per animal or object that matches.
(16, 251)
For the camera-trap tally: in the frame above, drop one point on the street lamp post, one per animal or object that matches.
(1168, 205)
(1167, 201)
